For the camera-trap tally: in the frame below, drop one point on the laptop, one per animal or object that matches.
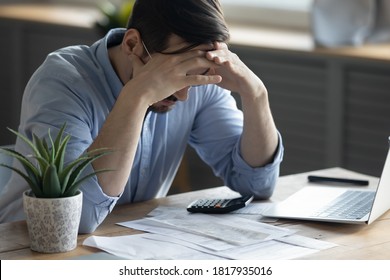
(337, 204)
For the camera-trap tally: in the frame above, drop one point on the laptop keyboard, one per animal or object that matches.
(349, 205)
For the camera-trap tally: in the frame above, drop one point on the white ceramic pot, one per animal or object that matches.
(52, 223)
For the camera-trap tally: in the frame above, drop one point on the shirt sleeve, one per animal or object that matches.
(258, 181)
(51, 101)
(96, 204)
(216, 137)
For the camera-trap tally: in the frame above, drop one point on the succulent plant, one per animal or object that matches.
(45, 170)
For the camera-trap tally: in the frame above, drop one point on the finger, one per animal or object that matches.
(196, 66)
(194, 80)
(218, 56)
(220, 46)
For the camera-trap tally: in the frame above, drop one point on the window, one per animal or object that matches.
(275, 13)
(82, 2)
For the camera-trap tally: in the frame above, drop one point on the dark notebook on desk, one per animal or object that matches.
(333, 204)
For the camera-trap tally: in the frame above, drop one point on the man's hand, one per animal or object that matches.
(236, 76)
(165, 74)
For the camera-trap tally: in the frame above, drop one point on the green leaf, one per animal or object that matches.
(26, 140)
(57, 142)
(33, 173)
(35, 177)
(51, 184)
(59, 159)
(67, 171)
(43, 157)
(47, 148)
(47, 174)
(35, 188)
(23, 160)
(92, 156)
(43, 151)
(53, 148)
(72, 190)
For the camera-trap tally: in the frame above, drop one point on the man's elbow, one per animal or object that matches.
(265, 193)
(266, 190)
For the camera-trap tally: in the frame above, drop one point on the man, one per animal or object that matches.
(145, 92)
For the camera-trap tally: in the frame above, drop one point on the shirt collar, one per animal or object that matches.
(114, 37)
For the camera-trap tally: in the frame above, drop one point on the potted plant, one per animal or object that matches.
(53, 203)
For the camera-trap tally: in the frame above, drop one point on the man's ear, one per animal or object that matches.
(132, 43)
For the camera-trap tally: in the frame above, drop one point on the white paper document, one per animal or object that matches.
(151, 226)
(254, 208)
(140, 247)
(228, 228)
(176, 234)
(155, 246)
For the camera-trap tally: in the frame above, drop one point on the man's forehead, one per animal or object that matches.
(177, 44)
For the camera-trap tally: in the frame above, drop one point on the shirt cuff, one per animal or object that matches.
(244, 168)
(94, 193)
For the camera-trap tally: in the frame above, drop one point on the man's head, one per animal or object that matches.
(196, 21)
(177, 26)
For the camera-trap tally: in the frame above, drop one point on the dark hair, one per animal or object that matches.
(196, 21)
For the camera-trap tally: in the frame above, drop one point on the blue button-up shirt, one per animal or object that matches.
(78, 85)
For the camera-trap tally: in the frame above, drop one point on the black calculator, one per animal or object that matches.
(219, 205)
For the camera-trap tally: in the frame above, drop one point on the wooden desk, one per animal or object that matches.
(355, 241)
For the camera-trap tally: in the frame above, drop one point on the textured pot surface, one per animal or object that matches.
(52, 223)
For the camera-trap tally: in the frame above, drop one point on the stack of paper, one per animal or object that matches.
(176, 234)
